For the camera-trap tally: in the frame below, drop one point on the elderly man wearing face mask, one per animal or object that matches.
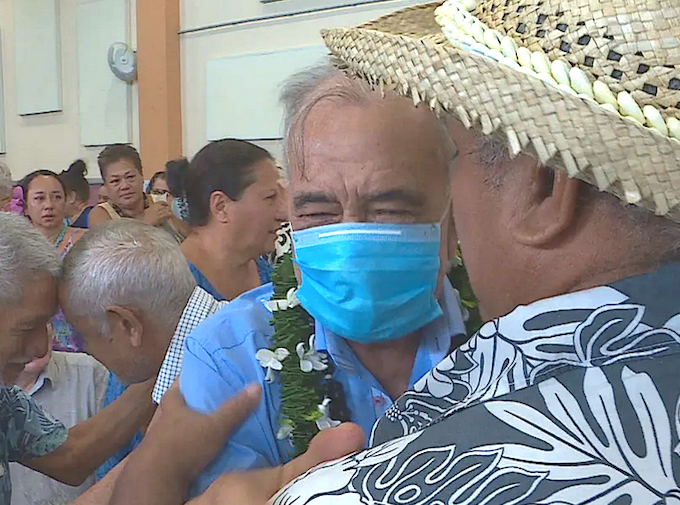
(369, 208)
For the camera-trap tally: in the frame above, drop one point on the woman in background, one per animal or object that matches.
(77, 194)
(174, 177)
(45, 206)
(235, 209)
(121, 170)
(158, 187)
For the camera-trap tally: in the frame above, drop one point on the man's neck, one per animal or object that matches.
(390, 362)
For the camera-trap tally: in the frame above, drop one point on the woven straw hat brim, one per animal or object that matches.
(406, 51)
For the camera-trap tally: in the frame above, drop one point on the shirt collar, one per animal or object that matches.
(560, 316)
(200, 305)
(435, 340)
(49, 375)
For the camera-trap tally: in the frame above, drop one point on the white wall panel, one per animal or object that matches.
(242, 92)
(38, 58)
(105, 115)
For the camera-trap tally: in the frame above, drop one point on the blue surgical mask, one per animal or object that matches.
(369, 282)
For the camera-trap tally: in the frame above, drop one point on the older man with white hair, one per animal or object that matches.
(127, 288)
(29, 270)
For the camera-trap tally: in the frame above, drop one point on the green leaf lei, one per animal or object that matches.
(299, 390)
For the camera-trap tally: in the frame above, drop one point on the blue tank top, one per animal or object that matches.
(83, 220)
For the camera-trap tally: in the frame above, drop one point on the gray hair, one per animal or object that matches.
(6, 184)
(128, 263)
(305, 89)
(643, 226)
(24, 252)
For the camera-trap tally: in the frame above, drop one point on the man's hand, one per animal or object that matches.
(259, 486)
(157, 213)
(178, 445)
(90, 443)
(175, 419)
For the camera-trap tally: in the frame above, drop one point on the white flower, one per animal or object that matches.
(284, 431)
(325, 421)
(310, 360)
(291, 298)
(290, 302)
(271, 360)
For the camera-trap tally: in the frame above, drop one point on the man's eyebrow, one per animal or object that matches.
(313, 197)
(408, 197)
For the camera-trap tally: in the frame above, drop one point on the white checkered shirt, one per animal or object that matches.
(200, 306)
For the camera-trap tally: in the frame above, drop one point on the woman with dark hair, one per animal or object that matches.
(121, 170)
(235, 209)
(77, 194)
(174, 177)
(158, 187)
(45, 206)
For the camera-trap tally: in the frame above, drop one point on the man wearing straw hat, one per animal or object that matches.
(566, 199)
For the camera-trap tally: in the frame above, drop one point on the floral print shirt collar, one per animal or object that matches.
(573, 399)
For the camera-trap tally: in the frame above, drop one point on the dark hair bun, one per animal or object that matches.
(78, 168)
(176, 175)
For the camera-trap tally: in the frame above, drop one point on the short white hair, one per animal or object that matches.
(131, 264)
(24, 253)
(6, 184)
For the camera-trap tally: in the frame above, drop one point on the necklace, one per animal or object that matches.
(61, 236)
(123, 213)
(311, 400)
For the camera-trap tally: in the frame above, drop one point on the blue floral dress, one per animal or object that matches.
(64, 337)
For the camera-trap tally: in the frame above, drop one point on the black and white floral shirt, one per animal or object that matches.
(573, 399)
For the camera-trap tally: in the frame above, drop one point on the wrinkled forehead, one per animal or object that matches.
(383, 144)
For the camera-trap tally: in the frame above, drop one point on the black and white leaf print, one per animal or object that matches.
(612, 333)
(572, 400)
(436, 475)
(515, 352)
(578, 456)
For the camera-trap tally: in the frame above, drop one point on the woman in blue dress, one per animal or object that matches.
(235, 208)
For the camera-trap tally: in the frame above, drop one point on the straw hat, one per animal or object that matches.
(590, 87)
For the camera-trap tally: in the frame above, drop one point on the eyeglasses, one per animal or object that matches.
(160, 192)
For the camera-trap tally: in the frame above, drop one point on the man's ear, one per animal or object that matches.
(125, 321)
(548, 207)
(220, 206)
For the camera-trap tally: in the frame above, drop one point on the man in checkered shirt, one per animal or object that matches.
(128, 290)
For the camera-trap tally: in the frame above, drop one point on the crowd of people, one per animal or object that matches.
(240, 333)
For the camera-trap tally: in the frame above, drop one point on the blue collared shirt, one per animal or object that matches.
(220, 360)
